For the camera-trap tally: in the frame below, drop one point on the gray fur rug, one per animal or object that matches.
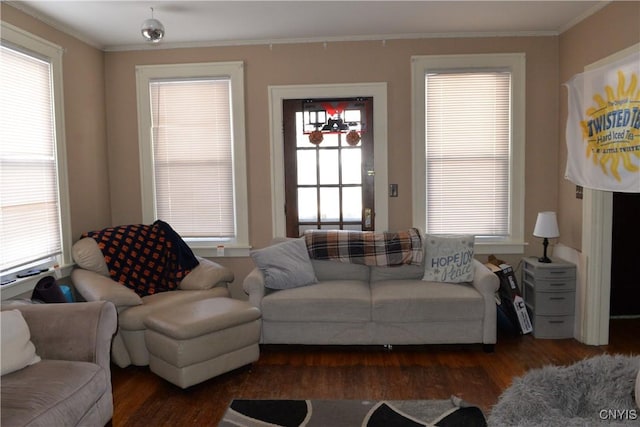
(574, 395)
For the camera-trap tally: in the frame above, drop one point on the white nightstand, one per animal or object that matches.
(549, 291)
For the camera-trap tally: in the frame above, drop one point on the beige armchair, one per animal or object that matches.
(91, 280)
(71, 384)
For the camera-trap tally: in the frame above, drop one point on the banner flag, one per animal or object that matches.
(603, 127)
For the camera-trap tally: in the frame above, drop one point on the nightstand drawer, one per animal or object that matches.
(550, 285)
(555, 271)
(554, 303)
(553, 326)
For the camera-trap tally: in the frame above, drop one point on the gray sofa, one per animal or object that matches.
(358, 304)
(71, 384)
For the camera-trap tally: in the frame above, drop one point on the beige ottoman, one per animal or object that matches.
(195, 341)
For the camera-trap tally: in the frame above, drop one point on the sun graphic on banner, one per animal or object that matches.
(612, 130)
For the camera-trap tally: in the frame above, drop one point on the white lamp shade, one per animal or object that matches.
(546, 225)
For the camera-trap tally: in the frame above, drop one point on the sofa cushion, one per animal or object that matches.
(60, 392)
(17, 349)
(330, 301)
(421, 301)
(333, 270)
(132, 319)
(448, 258)
(206, 275)
(87, 254)
(95, 287)
(285, 265)
(401, 272)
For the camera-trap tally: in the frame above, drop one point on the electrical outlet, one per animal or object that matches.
(393, 190)
(578, 192)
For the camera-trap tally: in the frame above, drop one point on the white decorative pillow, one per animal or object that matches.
(17, 350)
(285, 265)
(448, 258)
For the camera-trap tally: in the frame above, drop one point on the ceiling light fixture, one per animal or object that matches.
(152, 29)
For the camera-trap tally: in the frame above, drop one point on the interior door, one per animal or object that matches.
(329, 175)
(625, 270)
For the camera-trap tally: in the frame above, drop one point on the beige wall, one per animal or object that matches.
(614, 28)
(85, 123)
(103, 153)
(345, 62)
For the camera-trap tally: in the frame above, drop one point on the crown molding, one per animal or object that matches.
(325, 40)
(584, 16)
(25, 8)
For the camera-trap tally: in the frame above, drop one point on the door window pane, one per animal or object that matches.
(352, 166)
(307, 204)
(329, 204)
(307, 167)
(352, 203)
(330, 140)
(329, 170)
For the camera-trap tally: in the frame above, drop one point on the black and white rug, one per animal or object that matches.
(353, 413)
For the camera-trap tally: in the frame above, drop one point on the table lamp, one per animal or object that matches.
(547, 227)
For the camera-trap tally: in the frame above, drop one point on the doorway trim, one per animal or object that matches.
(279, 93)
(597, 219)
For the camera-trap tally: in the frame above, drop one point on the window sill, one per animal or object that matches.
(221, 252)
(500, 247)
(25, 285)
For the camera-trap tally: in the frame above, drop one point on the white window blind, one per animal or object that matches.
(30, 227)
(193, 156)
(468, 131)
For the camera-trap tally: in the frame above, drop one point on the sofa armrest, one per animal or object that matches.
(207, 275)
(253, 286)
(484, 280)
(487, 283)
(96, 287)
(75, 331)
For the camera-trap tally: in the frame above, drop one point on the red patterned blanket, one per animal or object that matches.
(366, 247)
(146, 258)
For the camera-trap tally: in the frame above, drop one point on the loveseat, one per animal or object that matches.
(57, 363)
(92, 281)
(349, 303)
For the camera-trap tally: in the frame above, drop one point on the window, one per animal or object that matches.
(34, 213)
(191, 124)
(469, 148)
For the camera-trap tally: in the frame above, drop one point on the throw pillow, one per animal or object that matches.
(285, 265)
(17, 350)
(448, 258)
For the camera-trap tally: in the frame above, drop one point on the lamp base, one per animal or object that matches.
(544, 257)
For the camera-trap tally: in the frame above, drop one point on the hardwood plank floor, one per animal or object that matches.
(372, 372)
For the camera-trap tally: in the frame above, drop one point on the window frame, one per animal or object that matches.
(42, 49)
(515, 63)
(209, 247)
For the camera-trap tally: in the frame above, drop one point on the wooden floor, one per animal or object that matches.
(315, 372)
